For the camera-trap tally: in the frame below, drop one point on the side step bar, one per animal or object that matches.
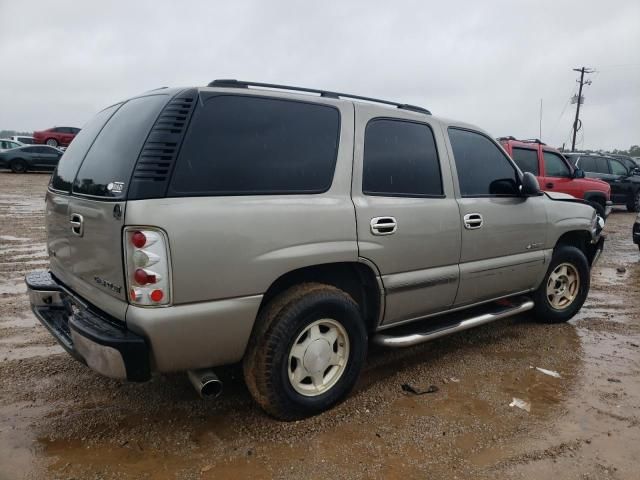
(496, 312)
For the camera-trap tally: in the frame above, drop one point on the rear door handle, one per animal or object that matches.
(383, 226)
(77, 224)
(473, 221)
(550, 185)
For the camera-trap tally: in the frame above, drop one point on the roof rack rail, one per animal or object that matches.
(528, 140)
(232, 83)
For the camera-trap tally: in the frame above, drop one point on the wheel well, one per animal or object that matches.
(356, 279)
(581, 240)
(596, 197)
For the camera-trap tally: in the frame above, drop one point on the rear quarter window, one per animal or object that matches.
(70, 162)
(246, 145)
(113, 155)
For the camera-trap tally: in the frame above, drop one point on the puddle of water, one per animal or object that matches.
(13, 286)
(11, 238)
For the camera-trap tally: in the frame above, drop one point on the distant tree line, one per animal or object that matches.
(11, 133)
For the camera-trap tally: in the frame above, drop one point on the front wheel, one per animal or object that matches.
(633, 205)
(306, 351)
(18, 166)
(565, 286)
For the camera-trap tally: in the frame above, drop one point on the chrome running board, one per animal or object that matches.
(496, 312)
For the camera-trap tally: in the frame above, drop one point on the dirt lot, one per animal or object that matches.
(60, 420)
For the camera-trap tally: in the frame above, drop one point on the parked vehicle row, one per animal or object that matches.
(287, 230)
(30, 157)
(624, 181)
(556, 174)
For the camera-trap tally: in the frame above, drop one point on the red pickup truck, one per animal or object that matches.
(556, 174)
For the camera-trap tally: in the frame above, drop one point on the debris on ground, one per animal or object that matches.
(551, 373)
(621, 270)
(614, 380)
(518, 402)
(411, 389)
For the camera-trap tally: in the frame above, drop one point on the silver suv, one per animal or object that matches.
(286, 228)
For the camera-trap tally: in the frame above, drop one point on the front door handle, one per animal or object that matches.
(473, 221)
(383, 226)
(550, 185)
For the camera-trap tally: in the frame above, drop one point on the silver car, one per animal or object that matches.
(288, 228)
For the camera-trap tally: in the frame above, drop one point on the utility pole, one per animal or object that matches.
(582, 71)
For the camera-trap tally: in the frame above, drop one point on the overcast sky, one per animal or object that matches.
(485, 62)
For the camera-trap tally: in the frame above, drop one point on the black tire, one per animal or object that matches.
(543, 310)
(633, 205)
(599, 208)
(18, 165)
(278, 326)
(52, 142)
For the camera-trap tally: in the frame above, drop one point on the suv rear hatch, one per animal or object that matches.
(86, 200)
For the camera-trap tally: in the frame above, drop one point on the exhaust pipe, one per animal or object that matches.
(206, 383)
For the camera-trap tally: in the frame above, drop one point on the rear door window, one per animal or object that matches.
(400, 159)
(107, 167)
(526, 159)
(245, 145)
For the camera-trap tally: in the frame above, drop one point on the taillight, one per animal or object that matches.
(147, 264)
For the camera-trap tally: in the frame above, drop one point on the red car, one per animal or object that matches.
(556, 174)
(56, 136)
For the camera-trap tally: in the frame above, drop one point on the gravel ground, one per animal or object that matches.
(60, 420)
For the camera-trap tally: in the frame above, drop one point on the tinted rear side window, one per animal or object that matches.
(74, 154)
(526, 159)
(112, 157)
(400, 159)
(242, 145)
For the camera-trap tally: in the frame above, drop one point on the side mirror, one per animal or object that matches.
(530, 186)
(578, 173)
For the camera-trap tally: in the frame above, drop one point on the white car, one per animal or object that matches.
(7, 144)
(24, 139)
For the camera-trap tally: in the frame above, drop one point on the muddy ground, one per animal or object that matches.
(60, 420)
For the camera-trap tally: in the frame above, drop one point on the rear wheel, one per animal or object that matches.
(633, 205)
(565, 286)
(52, 142)
(18, 165)
(306, 352)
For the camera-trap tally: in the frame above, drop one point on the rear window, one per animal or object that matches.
(107, 167)
(70, 162)
(526, 159)
(244, 145)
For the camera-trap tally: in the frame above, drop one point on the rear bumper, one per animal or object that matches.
(88, 335)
